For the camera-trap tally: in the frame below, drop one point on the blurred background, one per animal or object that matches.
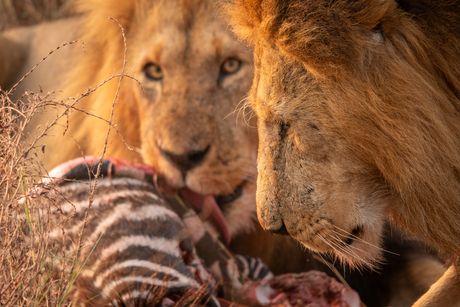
(15, 13)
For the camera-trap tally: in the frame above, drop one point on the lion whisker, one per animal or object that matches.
(339, 245)
(342, 255)
(240, 109)
(328, 243)
(347, 250)
(253, 114)
(321, 256)
(237, 109)
(244, 103)
(353, 237)
(350, 247)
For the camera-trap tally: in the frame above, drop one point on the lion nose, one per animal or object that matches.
(187, 161)
(275, 226)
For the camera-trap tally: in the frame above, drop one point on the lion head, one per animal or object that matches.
(358, 117)
(183, 118)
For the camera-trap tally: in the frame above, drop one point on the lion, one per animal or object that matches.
(358, 118)
(184, 120)
(186, 132)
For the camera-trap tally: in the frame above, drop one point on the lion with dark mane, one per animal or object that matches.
(358, 115)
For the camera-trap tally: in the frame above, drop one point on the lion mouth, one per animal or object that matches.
(212, 204)
(222, 200)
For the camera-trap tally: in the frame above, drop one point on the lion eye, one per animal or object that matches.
(230, 66)
(153, 72)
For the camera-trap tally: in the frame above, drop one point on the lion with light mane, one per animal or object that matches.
(194, 73)
(181, 120)
(358, 116)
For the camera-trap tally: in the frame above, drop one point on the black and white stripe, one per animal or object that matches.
(134, 244)
(137, 250)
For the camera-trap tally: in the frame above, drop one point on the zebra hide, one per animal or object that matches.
(135, 249)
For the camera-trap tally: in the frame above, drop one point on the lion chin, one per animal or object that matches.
(359, 247)
(329, 212)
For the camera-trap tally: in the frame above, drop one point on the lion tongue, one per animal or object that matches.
(208, 204)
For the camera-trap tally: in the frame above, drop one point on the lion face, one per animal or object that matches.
(194, 73)
(310, 182)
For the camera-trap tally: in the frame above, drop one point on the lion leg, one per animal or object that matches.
(445, 292)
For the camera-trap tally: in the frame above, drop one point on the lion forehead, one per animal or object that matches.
(178, 37)
(284, 90)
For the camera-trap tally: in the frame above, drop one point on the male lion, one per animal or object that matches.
(358, 116)
(194, 73)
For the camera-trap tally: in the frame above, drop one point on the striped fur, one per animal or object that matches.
(134, 244)
(137, 250)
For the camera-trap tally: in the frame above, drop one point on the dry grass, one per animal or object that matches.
(25, 278)
(15, 13)
(30, 274)
(24, 247)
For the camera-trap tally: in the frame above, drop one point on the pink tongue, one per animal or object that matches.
(207, 203)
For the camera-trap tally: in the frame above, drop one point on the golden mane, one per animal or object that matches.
(102, 58)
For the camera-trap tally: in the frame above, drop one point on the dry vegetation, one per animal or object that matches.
(23, 271)
(26, 276)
